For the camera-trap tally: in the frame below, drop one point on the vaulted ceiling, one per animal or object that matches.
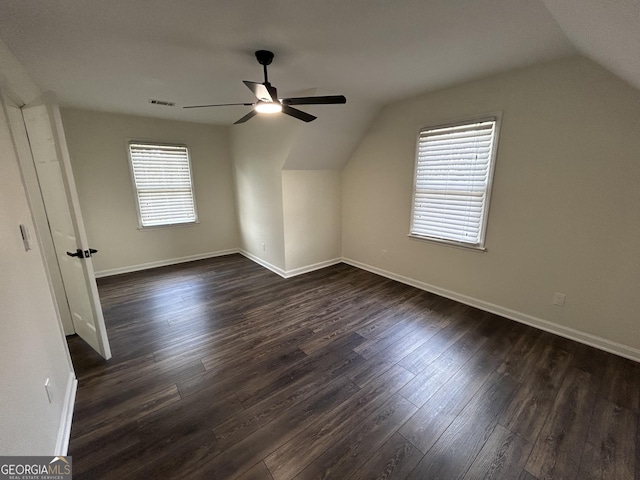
(116, 55)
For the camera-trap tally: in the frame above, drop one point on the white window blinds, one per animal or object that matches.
(454, 165)
(162, 178)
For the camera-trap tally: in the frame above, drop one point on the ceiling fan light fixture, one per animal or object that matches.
(268, 107)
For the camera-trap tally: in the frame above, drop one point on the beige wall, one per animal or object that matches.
(565, 202)
(289, 220)
(32, 346)
(260, 149)
(312, 216)
(98, 148)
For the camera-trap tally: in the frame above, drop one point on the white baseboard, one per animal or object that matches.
(191, 258)
(311, 268)
(295, 271)
(570, 333)
(164, 263)
(64, 432)
(264, 263)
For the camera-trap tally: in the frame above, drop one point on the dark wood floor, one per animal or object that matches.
(224, 370)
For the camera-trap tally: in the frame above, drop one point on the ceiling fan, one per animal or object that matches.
(268, 101)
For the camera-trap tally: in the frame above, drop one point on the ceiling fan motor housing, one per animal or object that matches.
(264, 57)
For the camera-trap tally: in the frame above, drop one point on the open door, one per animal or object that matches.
(30, 178)
(55, 178)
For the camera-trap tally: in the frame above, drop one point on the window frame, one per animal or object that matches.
(495, 117)
(136, 196)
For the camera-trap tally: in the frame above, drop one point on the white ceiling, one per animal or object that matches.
(607, 31)
(115, 55)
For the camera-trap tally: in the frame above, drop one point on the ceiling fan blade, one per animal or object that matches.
(299, 114)
(262, 91)
(249, 115)
(220, 105)
(325, 100)
(272, 92)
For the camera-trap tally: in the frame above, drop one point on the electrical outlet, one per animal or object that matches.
(264, 247)
(384, 253)
(558, 299)
(48, 386)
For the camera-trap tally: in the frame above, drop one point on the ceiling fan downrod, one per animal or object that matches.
(264, 57)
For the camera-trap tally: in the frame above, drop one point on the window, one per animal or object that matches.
(454, 168)
(162, 180)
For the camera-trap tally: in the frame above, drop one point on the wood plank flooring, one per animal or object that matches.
(221, 370)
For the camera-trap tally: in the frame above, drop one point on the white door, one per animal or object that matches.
(55, 177)
(30, 178)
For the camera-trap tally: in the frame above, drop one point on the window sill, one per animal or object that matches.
(448, 243)
(173, 225)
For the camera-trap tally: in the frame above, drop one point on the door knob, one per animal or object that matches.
(78, 253)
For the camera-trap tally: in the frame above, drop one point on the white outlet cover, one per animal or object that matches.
(558, 299)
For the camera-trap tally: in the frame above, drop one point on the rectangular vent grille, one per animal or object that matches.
(162, 102)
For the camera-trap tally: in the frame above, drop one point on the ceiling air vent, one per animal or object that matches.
(162, 102)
